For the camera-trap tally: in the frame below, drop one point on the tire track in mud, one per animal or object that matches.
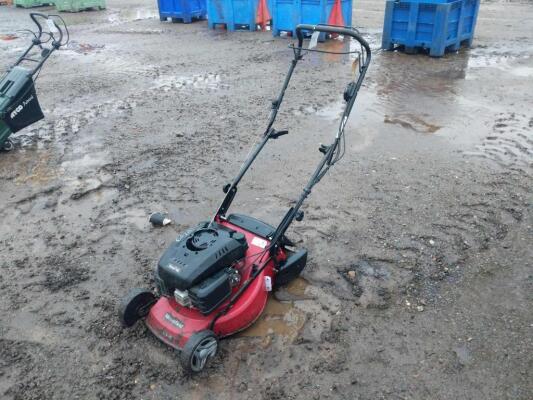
(17, 359)
(70, 123)
(443, 243)
(411, 263)
(408, 261)
(510, 145)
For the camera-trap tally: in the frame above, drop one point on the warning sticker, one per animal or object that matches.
(256, 241)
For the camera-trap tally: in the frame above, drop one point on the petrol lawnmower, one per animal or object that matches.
(214, 279)
(19, 106)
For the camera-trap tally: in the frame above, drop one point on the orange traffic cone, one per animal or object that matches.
(263, 15)
(335, 17)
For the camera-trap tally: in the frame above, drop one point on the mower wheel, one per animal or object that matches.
(200, 347)
(8, 145)
(135, 306)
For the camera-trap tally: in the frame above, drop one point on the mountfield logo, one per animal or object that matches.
(20, 107)
(174, 321)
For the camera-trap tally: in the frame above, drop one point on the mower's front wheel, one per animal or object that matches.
(135, 306)
(200, 347)
(8, 145)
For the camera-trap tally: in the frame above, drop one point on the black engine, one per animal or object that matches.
(196, 268)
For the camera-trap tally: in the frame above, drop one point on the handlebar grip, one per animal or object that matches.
(39, 26)
(341, 30)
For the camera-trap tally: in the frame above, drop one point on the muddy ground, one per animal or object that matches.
(419, 283)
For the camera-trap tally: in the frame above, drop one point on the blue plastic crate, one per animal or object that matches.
(181, 10)
(435, 25)
(235, 14)
(286, 14)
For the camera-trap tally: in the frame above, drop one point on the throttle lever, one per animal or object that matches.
(274, 134)
(324, 148)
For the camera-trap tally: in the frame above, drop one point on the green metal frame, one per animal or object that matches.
(79, 5)
(32, 3)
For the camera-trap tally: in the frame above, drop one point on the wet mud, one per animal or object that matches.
(418, 282)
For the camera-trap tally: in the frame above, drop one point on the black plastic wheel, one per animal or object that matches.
(135, 306)
(8, 145)
(200, 347)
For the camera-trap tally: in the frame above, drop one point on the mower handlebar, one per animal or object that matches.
(341, 30)
(34, 16)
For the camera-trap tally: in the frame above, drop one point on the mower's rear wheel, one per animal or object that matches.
(135, 306)
(8, 145)
(200, 347)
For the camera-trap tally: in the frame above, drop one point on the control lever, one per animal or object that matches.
(274, 134)
(323, 148)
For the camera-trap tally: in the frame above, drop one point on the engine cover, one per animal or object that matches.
(198, 254)
(210, 293)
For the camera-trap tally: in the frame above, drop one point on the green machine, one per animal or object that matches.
(19, 106)
(32, 3)
(79, 5)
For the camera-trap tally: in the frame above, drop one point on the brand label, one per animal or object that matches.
(174, 268)
(20, 107)
(174, 321)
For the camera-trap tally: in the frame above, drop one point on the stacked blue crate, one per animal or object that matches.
(181, 10)
(434, 25)
(286, 14)
(234, 14)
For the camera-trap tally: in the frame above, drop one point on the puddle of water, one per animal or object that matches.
(69, 121)
(281, 318)
(34, 168)
(522, 71)
(501, 57)
(294, 291)
(82, 175)
(342, 44)
(364, 124)
(332, 111)
(207, 81)
(409, 88)
(83, 48)
(135, 217)
(145, 13)
(336, 45)
(39, 167)
(84, 163)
